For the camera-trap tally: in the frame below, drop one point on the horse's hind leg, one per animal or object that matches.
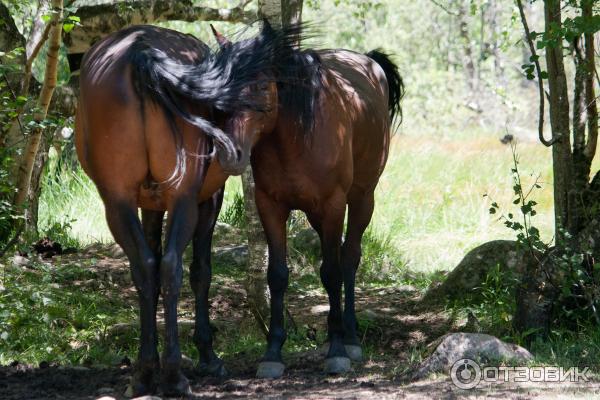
(182, 219)
(330, 226)
(360, 211)
(200, 277)
(126, 228)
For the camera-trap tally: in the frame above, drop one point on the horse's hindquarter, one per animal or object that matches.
(124, 143)
(363, 99)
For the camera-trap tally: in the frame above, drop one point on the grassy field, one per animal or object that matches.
(430, 204)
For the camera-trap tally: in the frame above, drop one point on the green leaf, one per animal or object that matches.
(68, 27)
(544, 74)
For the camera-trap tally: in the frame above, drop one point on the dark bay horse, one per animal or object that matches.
(326, 148)
(145, 137)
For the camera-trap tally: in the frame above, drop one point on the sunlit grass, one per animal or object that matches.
(430, 204)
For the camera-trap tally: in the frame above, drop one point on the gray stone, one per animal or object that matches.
(232, 254)
(474, 268)
(478, 347)
(307, 242)
(20, 261)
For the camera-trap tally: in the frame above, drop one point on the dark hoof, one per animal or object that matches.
(270, 370)
(176, 386)
(354, 351)
(215, 368)
(337, 365)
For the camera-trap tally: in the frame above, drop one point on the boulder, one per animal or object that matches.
(472, 271)
(480, 348)
(307, 242)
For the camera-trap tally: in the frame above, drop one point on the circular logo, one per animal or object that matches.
(465, 374)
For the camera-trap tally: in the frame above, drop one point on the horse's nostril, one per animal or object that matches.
(238, 153)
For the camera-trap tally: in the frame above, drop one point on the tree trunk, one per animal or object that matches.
(50, 78)
(559, 122)
(278, 12)
(256, 272)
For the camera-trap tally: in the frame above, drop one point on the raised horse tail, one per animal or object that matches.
(394, 81)
(170, 84)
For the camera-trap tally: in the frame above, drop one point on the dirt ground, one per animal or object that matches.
(397, 331)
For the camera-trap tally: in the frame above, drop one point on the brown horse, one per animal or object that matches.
(325, 149)
(143, 136)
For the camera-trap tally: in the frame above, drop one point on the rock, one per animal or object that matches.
(478, 347)
(233, 254)
(307, 242)
(147, 398)
(106, 398)
(20, 261)
(474, 268)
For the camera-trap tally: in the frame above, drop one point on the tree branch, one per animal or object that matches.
(31, 59)
(538, 69)
(443, 7)
(102, 17)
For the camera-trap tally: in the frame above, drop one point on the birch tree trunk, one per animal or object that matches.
(50, 79)
(277, 12)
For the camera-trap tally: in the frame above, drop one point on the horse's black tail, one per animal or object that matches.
(167, 82)
(394, 80)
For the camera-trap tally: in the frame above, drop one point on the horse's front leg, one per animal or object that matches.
(180, 227)
(200, 277)
(274, 216)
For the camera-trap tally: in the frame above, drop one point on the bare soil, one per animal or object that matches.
(396, 330)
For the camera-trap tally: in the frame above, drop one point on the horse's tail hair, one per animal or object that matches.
(394, 80)
(159, 78)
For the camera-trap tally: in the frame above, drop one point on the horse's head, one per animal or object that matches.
(254, 111)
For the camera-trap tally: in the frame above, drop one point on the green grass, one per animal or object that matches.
(50, 313)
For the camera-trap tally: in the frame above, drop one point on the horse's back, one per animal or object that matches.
(123, 141)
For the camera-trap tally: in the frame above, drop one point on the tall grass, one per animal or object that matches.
(430, 208)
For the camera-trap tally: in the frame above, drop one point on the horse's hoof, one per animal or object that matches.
(270, 370)
(354, 352)
(176, 387)
(337, 365)
(215, 368)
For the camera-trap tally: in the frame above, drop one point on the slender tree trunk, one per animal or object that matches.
(256, 272)
(50, 79)
(277, 12)
(560, 124)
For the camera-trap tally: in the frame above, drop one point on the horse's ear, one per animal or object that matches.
(221, 40)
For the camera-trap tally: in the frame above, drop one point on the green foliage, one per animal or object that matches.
(495, 304)
(47, 314)
(234, 214)
(528, 236)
